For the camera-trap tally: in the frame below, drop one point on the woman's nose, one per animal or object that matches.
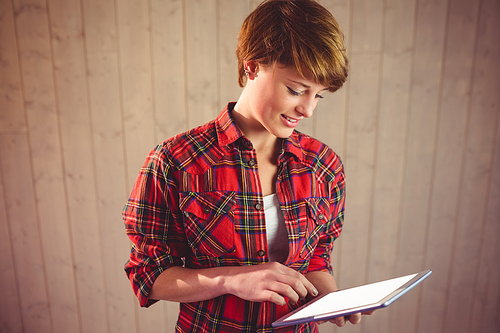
(306, 108)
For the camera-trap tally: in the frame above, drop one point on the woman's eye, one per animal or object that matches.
(293, 92)
(319, 96)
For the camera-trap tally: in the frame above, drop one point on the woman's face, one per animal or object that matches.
(280, 97)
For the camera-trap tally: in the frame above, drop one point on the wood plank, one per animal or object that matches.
(231, 16)
(486, 307)
(391, 137)
(331, 114)
(484, 316)
(10, 314)
(12, 118)
(108, 149)
(169, 68)
(201, 59)
(443, 200)
(426, 81)
(71, 88)
(136, 82)
(27, 250)
(476, 172)
(37, 76)
(360, 147)
(359, 159)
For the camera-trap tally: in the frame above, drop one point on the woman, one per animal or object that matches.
(236, 219)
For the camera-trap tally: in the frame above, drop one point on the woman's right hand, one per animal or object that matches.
(271, 282)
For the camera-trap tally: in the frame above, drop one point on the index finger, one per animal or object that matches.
(301, 284)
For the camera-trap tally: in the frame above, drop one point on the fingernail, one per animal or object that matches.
(314, 292)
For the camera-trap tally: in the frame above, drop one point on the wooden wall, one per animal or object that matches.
(88, 87)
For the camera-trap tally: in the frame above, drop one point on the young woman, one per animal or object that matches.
(236, 219)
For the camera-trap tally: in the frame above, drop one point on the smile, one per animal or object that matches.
(290, 119)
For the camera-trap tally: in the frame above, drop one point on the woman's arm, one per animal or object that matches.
(266, 282)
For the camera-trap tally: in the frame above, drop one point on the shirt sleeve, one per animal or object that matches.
(153, 225)
(321, 259)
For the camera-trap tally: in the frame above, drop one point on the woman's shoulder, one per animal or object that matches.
(186, 150)
(314, 148)
(325, 163)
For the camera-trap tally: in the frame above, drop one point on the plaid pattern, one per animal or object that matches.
(197, 202)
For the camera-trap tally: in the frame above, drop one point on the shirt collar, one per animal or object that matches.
(228, 132)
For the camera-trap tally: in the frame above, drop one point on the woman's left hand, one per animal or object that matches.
(354, 319)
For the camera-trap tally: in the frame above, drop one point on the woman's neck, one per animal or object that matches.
(261, 139)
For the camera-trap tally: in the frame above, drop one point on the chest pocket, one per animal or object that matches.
(209, 221)
(318, 214)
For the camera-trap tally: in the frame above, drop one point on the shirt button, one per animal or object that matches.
(251, 163)
(206, 210)
(258, 206)
(321, 216)
(261, 253)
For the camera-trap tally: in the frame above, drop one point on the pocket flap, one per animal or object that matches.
(318, 209)
(206, 205)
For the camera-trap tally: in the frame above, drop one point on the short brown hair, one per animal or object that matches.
(294, 32)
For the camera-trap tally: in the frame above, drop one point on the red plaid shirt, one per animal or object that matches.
(197, 202)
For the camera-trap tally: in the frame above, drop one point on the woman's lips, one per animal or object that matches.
(289, 121)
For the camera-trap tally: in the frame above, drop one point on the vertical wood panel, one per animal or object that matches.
(484, 316)
(390, 149)
(331, 113)
(360, 145)
(10, 311)
(476, 175)
(70, 77)
(136, 81)
(169, 68)
(486, 306)
(202, 58)
(11, 98)
(37, 76)
(231, 16)
(359, 160)
(448, 163)
(24, 234)
(108, 149)
(424, 103)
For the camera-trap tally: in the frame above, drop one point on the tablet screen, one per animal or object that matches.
(351, 298)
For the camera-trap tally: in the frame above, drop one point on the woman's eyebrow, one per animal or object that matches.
(305, 85)
(301, 83)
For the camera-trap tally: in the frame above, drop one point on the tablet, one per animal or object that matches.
(348, 301)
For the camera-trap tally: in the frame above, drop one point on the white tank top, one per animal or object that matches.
(277, 235)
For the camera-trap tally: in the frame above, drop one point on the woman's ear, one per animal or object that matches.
(251, 68)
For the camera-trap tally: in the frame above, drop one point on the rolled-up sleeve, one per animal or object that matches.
(321, 259)
(153, 225)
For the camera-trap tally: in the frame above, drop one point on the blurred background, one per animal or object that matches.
(88, 87)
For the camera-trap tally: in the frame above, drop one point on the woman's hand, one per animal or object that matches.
(325, 284)
(271, 282)
(354, 319)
